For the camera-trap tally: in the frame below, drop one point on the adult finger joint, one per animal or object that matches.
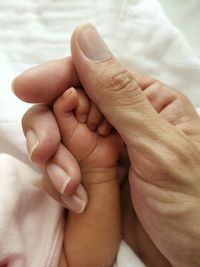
(122, 81)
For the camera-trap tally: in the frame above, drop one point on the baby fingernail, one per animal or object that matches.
(58, 176)
(31, 141)
(76, 202)
(82, 118)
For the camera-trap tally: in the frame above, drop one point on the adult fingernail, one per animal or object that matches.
(76, 202)
(91, 43)
(31, 141)
(58, 176)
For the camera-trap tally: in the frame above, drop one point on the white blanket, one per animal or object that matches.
(159, 38)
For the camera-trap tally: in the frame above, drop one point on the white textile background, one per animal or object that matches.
(159, 38)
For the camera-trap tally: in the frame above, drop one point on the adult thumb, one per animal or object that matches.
(112, 87)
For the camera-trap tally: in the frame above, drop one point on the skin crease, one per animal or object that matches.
(178, 218)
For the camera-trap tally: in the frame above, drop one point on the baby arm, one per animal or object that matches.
(91, 238)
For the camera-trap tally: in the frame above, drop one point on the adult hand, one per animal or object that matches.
(164, 157)
(42, 132)
(164, 154)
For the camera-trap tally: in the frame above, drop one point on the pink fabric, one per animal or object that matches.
(31, 223)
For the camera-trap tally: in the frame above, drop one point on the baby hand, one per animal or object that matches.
(86, 134)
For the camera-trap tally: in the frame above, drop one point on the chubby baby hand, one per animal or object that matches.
(87, 135)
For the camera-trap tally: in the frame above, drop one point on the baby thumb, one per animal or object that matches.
(115, 91)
